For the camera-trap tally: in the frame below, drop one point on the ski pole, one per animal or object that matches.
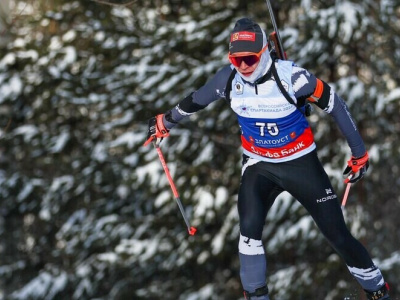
(192, 230)
(346, 194)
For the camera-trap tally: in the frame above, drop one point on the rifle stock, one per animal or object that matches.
(275, 46)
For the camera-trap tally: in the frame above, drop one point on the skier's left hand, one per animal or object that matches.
(356, 168)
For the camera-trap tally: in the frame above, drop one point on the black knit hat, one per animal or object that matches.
(246, 36)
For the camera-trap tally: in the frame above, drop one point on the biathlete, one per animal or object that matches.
(279, 153)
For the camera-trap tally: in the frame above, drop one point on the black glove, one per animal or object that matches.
(356, 168)
(157, 131)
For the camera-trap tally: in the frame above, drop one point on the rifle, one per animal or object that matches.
(275, 44)
(274, 39)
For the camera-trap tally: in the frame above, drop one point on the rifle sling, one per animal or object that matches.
(280, 86)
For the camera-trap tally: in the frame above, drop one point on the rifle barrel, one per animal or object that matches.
(271, 13)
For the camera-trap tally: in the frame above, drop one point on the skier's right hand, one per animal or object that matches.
(157, 131)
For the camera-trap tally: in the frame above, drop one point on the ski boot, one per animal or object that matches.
(382, 293)
(259, 294)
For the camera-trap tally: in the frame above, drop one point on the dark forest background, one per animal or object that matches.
(86, 212)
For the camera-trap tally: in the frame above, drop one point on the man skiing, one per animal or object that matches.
(279, 153)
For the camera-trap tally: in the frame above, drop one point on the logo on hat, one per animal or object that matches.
(243, 36)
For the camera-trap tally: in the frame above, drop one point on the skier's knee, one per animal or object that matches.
(252, 226)
(250, 246)
(339, 239)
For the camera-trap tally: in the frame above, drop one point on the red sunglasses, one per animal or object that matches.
(249, 58)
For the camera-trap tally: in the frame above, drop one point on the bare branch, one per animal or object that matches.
(115, 2)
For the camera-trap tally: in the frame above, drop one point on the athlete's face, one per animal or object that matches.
(246, 62)
(247, 70)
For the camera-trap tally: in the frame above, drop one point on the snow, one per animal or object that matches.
(132, 159)
(350, 12)
(59, 142)
(151, 170)
(205, 154)
(65, 181)
(393, 95)
(100, 36)
(286, 277)
(28, 188)
(173, 81)
(7, 270)
(221, 197)
(125, 119)
(10, 89)
(122, 12)
(123, 191)
(163, 198)
(202, 258)
(206, 292)
(124, 42)
(281, 205)
(351, 87)
(69, 36)
(302, 227)
(306, 4)
(109, 43)
(143, 249)
(45, 286)
(151, 81)
(8, 59)
(69, 58)
(205, 203)
(102, 222)
(55, 43)
(27, 131)
(383, 101)
(110, 257)
(220, 239)
(32, 54)
(390, 262)
(99, 152)
(77, 217)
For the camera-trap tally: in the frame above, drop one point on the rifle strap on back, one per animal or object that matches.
(228, 87)
(280, 86)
